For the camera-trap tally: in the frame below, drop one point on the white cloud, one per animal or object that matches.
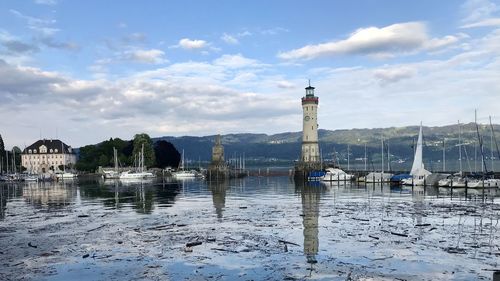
(122, 25)
(244, 33)
(46, 2)
(483, 23)
(236, 61)
(393, 74)
(194, 95)
(274, 31)
(478, 10)
(439, 43)
(146, 56)
(480, 13)
(229, 39)
(383, 42)
(40, 25)
(187, 43)
(285, 84)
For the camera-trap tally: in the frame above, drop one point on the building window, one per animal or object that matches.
(55, 150)
(30, 151)
(34, 150)
(43, 149)
(51, 150)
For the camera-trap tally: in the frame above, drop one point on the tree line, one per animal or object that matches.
(158, 154)
(6, 155)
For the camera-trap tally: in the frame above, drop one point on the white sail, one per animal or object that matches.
(417, 169)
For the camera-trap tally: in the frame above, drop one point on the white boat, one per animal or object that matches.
(141, 174)
(65, 175)
(334, 174)
(377, 177)
(418, 172)
(452, 181)
(492, 183)
(114, 174)
(111, 174)
(30, 178)
(136, 175)
(184, 174)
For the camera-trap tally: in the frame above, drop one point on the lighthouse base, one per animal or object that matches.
(302, 170)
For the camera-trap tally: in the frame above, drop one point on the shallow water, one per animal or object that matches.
(89, 229)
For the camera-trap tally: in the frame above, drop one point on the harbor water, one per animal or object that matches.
(256, 228)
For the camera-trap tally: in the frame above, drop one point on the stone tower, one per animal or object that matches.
(310, 146)
(218, 168)
(218, 151)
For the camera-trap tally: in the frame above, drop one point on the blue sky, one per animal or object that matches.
(90, 70)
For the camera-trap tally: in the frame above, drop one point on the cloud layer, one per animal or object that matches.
(394, 39)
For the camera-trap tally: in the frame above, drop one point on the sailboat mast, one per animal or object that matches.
(460, 146)
(365, 157)
(14, 160)
(444, 154)
(348, 159)
(388, 157)
(142, 159)
(64, 157)
(491, 145)
(182, 160)
(382, 141)
(115, 154)
(483, 165)
(7, 161)
(495, 139)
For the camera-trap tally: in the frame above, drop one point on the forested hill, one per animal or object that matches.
(286, 146)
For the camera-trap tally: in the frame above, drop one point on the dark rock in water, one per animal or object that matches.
(196, 243)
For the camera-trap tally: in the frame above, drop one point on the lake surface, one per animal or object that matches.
(257, 228)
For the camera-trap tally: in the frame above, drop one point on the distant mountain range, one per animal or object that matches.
(285, 147)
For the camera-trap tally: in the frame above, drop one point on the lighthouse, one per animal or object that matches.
(310, 147)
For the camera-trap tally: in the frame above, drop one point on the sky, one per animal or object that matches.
(86, 71)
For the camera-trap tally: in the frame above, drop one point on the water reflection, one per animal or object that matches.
(145, 196)
(218, 189)
(310, 194)
(50, 196)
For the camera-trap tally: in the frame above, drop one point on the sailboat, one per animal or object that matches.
(181, 173)
(140, 174)
(336, 174)
(457, 179)
(378, 177)
(64, 174)
(114, 174)
(418, 172)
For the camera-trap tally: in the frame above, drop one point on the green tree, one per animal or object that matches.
(149, 153)
(2, 146)
(166, 154)
(17, 152)
(103, 161)
(2, 154)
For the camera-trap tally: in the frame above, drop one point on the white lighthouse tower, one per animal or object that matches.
(310, 146)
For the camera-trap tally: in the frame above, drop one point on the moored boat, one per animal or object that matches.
(335, 174)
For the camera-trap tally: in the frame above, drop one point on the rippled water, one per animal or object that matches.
(258, 228)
